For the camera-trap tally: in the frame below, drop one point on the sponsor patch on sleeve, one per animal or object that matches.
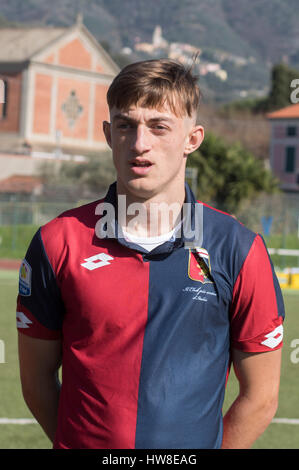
(25, 275)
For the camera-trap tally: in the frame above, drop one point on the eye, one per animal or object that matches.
(159, 128)
(123, 125)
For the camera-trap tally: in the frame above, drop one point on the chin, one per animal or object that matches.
(141, 188)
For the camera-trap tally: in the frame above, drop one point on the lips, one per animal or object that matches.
(140, 163)
(140, 166)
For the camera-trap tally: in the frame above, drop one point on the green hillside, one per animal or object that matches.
(263, 32)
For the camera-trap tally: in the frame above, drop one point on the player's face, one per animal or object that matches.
(150, 148)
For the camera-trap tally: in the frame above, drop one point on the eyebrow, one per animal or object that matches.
(129, 119)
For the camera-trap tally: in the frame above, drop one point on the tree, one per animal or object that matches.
(73, 181)
(281, 78)
(229, 174)
(278, 96)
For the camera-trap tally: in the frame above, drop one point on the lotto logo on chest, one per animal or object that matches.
(97, 261)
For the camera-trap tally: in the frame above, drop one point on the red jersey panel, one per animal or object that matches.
(147, 335)
(255, 323)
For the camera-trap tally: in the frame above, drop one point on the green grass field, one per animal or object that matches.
(15, 239)
(30, 436)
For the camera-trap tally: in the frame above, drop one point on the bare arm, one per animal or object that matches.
(252, 411)
(39, 364)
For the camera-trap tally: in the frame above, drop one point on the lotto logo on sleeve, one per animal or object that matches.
(274, 338)
(25, 275)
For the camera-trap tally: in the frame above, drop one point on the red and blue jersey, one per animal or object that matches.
(147, 335)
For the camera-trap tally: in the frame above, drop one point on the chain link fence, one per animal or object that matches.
(20, 220)
(276, 217)
(275, 214)
(31, 213)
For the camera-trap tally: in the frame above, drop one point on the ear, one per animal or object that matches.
(107, 132)
(194, 139)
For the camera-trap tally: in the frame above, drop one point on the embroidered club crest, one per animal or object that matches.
(199, 268)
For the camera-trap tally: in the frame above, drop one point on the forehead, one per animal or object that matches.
(140, 113)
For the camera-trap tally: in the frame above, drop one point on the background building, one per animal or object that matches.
(55, 84)
(284, 146)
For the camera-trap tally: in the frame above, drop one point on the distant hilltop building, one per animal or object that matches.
(55, 82)
(158, 40)
(284, 146)
(182, 52)
(215, 68)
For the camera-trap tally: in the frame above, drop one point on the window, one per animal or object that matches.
(291, 131)
(290, 159)
(4, 90)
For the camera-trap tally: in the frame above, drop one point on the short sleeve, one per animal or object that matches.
(257, 308)
(40, 308)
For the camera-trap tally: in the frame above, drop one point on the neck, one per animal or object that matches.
(151, 216)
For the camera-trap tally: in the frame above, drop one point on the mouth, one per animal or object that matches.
(140, 163)
(140, 166)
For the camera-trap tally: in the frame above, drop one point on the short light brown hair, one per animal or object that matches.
(154, 83)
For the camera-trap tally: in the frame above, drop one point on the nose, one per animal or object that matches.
(140, 140)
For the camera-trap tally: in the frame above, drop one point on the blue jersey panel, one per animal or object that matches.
(44, 300)
(185, 359)
(278, 293)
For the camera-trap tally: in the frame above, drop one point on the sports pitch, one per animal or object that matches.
(16, 432)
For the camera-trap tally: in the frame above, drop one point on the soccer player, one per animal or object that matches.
(147, 296)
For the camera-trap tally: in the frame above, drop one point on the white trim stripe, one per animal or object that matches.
(17, 421)
(285, 421)
(33, 421)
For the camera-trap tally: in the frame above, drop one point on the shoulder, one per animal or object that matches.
(69, 232)
(226, 226)
(227, 240)
(65, 223)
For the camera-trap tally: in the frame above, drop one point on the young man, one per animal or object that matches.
(148, 296)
